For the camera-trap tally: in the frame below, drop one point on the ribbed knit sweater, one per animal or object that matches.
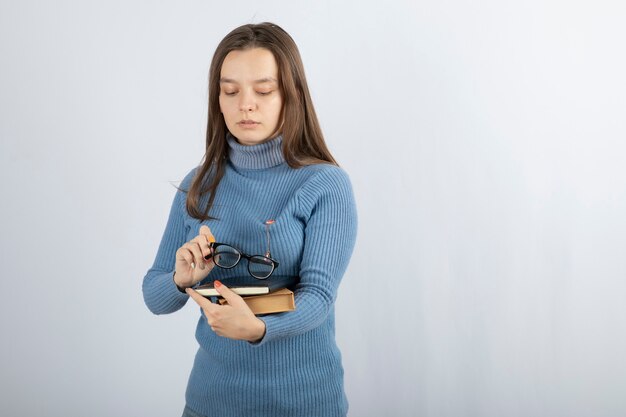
(295, 370)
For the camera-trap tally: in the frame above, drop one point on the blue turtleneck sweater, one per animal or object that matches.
(295, 370)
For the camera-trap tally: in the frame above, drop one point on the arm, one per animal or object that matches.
(327, 204)
(160, 293)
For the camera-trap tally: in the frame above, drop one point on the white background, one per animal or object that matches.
(485, 143)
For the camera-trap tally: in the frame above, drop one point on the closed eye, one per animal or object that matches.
(261, 93)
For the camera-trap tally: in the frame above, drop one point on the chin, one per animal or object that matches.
(248, 138)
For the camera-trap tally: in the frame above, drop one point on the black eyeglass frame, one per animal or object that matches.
(241, 254)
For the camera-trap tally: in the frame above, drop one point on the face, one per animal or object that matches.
(250, 98)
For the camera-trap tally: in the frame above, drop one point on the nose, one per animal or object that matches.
(247, 103)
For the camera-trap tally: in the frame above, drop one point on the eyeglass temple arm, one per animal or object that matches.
(268, 223)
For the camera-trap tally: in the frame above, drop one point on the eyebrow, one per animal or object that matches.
(259, 81)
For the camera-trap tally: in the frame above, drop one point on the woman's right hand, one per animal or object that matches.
(191, 265)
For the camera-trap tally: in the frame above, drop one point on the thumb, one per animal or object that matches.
(204, 230)
(233, 299)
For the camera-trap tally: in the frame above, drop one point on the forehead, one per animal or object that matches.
(249, 65)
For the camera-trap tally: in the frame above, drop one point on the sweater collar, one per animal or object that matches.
(262, 156)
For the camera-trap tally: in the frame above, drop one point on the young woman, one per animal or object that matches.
(267, 179)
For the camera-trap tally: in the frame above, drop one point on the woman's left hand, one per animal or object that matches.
(234, 320)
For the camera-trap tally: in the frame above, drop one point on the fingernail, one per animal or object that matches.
(193, 265)
(217, 284)
(212, 239)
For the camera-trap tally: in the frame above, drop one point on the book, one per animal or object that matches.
(279, 301)
(249, 286)
(208, 290)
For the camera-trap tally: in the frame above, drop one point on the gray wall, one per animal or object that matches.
(485, 142)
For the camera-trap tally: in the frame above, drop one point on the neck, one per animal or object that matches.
(263, 155)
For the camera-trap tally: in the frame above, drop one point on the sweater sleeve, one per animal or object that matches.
(159, 290)
(327, 204)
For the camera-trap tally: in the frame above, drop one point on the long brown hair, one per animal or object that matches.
(303, 143)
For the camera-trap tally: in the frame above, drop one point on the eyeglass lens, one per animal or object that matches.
(226, 256)
(260, 267)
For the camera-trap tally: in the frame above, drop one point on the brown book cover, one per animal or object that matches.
(278, 301)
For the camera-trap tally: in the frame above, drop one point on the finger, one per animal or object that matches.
(200, 300)
(228, 294)
(198, 258)
(187, 256)
(205, 246)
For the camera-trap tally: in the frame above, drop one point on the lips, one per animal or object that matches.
(248, 122)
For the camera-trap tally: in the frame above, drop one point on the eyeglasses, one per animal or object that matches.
(226, 256)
